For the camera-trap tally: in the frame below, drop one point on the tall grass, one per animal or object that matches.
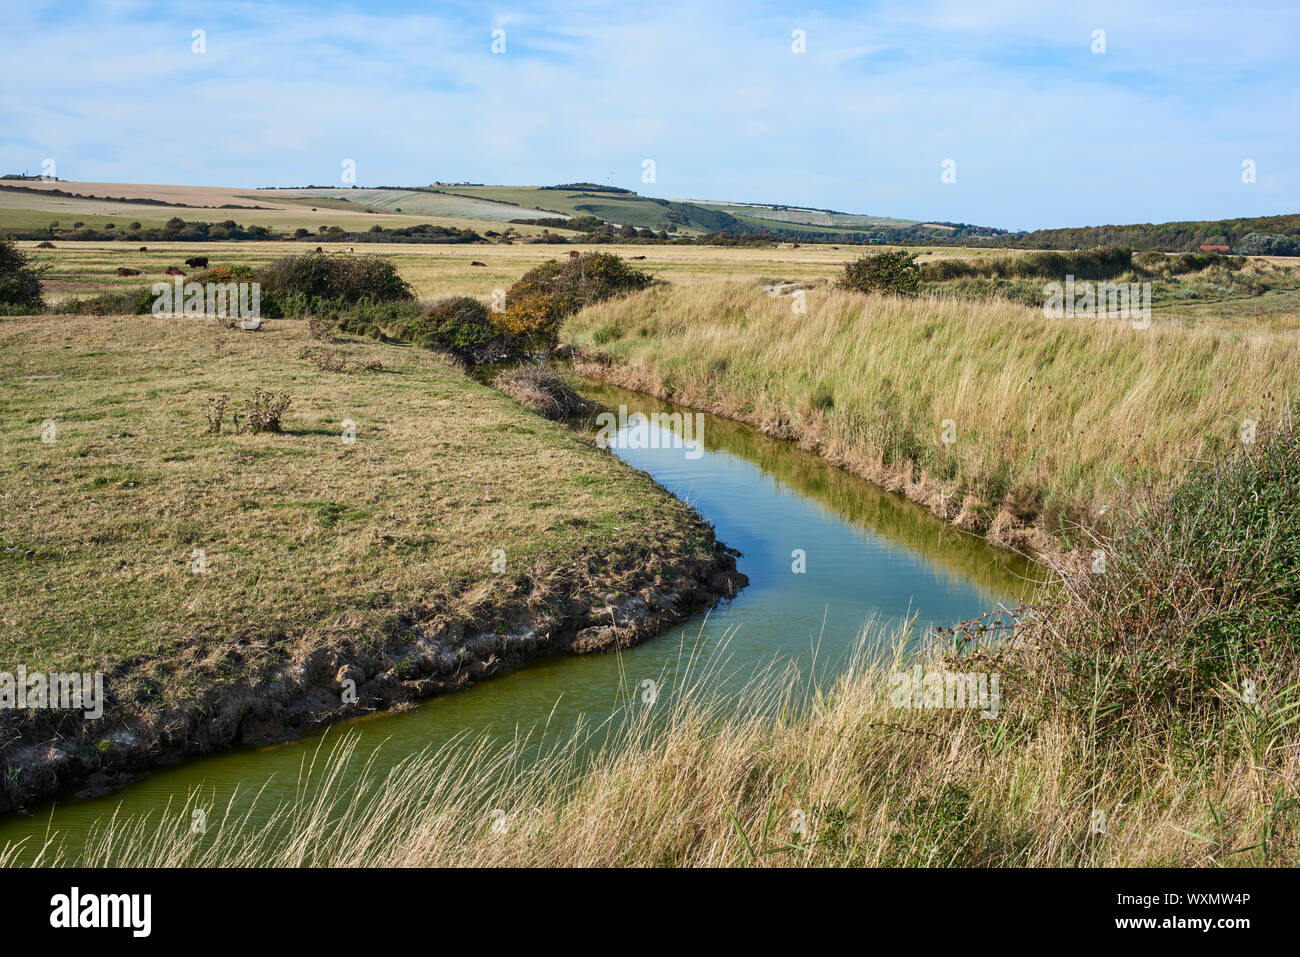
(1053, 422)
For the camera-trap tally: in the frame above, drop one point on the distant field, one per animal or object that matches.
(804, 217)
(625, 209)
(283, 210)
(412, 203)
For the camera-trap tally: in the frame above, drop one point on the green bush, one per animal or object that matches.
(118, 302)
(325, 277)
(462, 326)
(893, 273)
(20, 278)
(1104, 263)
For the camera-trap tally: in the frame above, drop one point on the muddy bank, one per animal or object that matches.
(991, 521)
(585, 610)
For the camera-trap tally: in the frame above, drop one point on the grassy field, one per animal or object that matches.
(308, 539)
(412, 203)
(434, 270)
(282, 210)
(797, 216)
(76, 268)
(1058, 420)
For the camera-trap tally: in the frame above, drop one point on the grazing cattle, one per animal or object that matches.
(144, 249)
(319, 250)
(573, 254)
(349, 249)
(45, 245)
(636, 257)
(173, 271)
(123, 271)
(477, 263)
(198, 262)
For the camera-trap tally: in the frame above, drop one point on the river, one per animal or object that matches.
(825, 552)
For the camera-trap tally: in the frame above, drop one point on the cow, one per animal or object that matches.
(198, 262)
(173, 271)
(319, 250)
(573, 254)
(477, 263)
(123, 271)
(636, 257)
(144, 249)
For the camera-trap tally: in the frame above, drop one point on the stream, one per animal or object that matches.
(868, 558)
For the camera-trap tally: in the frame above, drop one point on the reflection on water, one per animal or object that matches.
(825, 552)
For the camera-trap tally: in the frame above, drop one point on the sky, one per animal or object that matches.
(1038, 119)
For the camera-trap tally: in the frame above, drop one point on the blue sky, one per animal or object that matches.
(1042, 131)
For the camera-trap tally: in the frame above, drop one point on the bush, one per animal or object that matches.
(1104, 263)
(894, 273)
(118, 302)
(323, 277)
(265, 410)
(462, 326)
(1268, 244)
(543, 390)
(20, 278)
(543, 297)
(1201, 592)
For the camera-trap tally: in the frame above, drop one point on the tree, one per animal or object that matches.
(894, 273)
(20, 278)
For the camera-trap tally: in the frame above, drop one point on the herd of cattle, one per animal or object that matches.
(195, 262)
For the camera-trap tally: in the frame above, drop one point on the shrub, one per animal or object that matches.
(893, 273)
(543, 297)
(543, 390)
(265, 410)
(1201, 591)
(321, 329)
(1268, 244)
(321, 277)
(462, 326)
(118, 302)
(20, 278)
(1106, 262)
(216, 412)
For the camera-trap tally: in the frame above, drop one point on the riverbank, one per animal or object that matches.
(1033, 432)
(405, 533)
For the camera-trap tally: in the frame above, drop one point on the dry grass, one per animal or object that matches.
(767, 778)
(543, 390)
(1081, 412)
